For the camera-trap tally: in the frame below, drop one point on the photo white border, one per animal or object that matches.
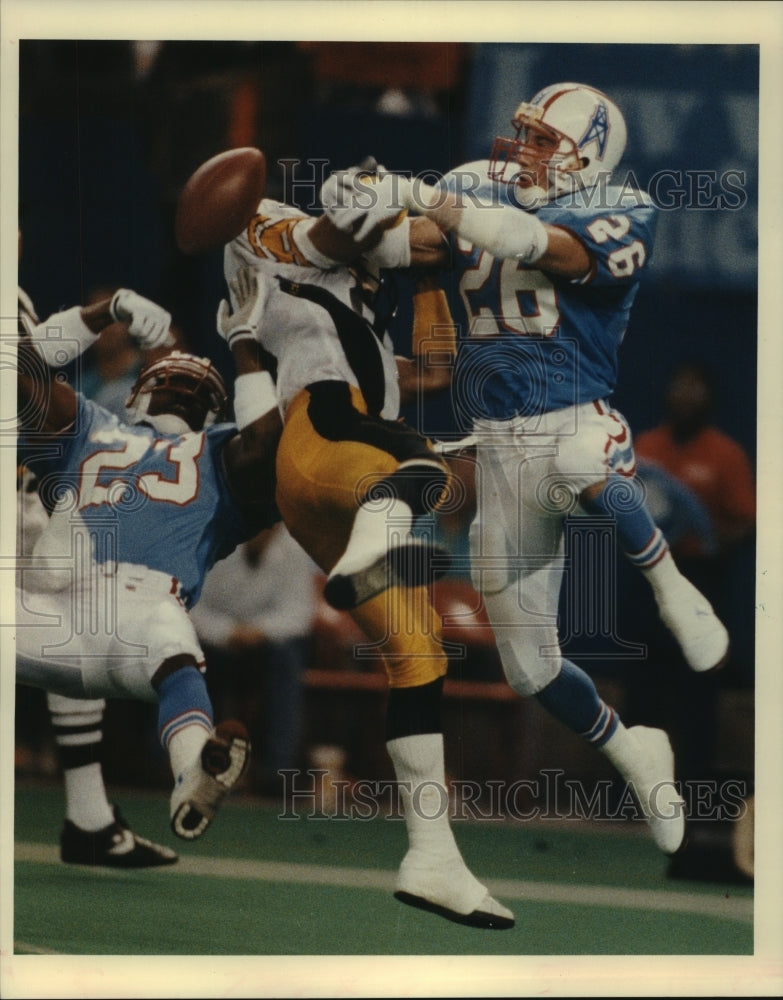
(507, 21)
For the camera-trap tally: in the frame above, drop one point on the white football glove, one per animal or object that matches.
(251, 290)
(356, 201)
(148, 323)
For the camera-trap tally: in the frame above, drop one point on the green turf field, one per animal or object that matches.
(261, 886)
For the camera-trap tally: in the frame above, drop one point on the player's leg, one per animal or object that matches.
(206, 759)
(683, 608)
(107, 660)
(94, 832)
(381, 547)
(433, 875)
(319, 485)
(525, 531)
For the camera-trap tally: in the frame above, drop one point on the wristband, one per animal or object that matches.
(63, 337)
(254, 397)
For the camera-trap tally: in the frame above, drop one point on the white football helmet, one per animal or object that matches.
(178, 393)
(572, 131)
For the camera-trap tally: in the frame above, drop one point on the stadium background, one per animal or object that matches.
(106, 143)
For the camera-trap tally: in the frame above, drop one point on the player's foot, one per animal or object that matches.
(115, 846)
(691, 619)
(450, 891)
(201, 788)
(649, 771)
(413, 564)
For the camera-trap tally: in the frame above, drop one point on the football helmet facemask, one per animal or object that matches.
(566, 138)
(178, 393)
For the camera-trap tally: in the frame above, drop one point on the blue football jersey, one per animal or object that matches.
(160, 501)
(529, 342)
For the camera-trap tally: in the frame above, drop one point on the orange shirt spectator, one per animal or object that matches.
(703, 458)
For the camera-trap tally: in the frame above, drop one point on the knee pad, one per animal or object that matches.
(527, 644)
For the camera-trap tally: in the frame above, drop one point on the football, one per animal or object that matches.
(219, 199)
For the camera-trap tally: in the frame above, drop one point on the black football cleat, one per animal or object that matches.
(115, 846)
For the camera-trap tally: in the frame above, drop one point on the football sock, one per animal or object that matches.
(623, 501)
(86, 804)
(418, 765)
(572, 699)
(433, 867)
(78, 735)
(414, 710)
(185, 718)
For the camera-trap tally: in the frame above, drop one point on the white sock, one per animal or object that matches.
(419, 767)
(185, 746)
(86, 804)
(376, 528)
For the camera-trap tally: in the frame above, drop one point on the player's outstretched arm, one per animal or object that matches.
(359, 209)
(502, 230)
(434, 343)
(364, 217)
(250, 455)
(49, 404)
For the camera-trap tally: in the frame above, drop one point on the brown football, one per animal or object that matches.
(219, 199)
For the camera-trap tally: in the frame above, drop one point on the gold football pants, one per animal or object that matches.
(329, 455)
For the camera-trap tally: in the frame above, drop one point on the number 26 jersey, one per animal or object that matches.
(531, 342)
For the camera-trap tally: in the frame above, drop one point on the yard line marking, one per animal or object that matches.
(23, 948)
(717, 904)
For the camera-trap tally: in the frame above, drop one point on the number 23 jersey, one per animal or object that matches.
(532, 342)
(157, 501)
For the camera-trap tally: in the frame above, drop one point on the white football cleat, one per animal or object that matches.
(201, 788)
(650, 775)
(689, 616)
(449, 890)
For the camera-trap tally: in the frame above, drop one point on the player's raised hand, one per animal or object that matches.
(148, 323)
(251, 291)
(357, 200)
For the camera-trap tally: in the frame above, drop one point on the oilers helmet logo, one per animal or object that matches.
(597, 130)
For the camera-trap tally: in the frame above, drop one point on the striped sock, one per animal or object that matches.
(623, 500)
(572, 699)
(651, 554)
(78, 734)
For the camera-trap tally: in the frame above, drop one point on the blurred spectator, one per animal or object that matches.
(255, 620)
(699, 460)
(703, 458)
(676, 509)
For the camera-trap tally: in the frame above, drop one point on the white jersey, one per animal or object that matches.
(317, 324)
